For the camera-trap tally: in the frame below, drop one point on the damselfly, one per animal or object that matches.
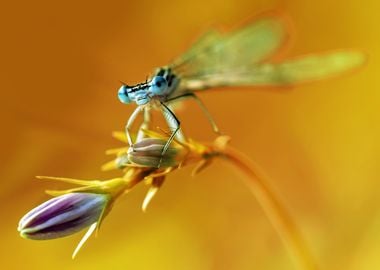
(237, 58)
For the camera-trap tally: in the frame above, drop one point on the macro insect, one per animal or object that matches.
(237, 58)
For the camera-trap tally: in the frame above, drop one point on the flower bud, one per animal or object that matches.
(63, 215)
(148, 152)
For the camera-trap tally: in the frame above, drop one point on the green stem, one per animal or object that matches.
(275, 211)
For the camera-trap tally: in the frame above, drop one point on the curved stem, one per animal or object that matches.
(274, 210)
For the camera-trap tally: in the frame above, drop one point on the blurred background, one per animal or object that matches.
(61, 63)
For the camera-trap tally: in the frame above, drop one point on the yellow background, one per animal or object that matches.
(60, 66)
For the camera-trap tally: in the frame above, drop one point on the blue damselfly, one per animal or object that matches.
(236, 58)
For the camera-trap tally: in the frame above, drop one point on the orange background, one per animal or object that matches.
(60, 66)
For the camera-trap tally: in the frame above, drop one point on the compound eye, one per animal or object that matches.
(158, 85)
(123, 95)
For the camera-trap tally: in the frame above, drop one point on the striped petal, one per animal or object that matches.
(63, 215)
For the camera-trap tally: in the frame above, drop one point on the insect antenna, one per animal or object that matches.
(123, 83)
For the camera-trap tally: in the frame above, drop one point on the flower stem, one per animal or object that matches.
(275, 211)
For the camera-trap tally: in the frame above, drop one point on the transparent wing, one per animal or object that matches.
(217, 53)
(289, 72)
(202, 48)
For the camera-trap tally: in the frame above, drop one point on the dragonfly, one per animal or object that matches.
(243, 57)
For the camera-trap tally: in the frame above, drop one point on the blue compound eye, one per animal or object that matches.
(158, 85)
(123, 95)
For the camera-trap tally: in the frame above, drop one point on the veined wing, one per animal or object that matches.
(289, 72)
(218, 53)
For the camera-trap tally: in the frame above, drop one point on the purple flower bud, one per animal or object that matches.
(63, 215)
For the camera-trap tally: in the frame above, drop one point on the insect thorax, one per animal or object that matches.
(171, 78)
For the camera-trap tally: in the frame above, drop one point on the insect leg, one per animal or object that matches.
(171, 120)
(145, 123)
(179, 136)
(131, 119)
(203, 108)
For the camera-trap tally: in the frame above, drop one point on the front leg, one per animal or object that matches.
(131, 119)
(145, 124)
